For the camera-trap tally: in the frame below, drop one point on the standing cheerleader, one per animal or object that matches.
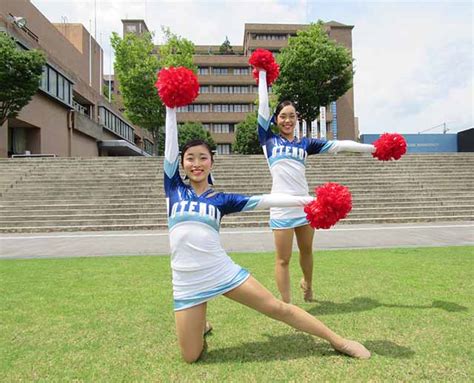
(286, 158)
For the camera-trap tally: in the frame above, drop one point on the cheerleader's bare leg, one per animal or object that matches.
(190, 327)
(284, 247)
(304, 238)
(252, 294)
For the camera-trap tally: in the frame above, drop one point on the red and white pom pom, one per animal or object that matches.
(333, 202)
(390, 146)
(263, 59)
(177, 86)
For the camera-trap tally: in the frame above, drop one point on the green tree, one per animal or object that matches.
(20, 74)
(314, 71)
(136, 67)
(194, 131)
(177, 51)
(226, 48)
(105, 92)
(246, 138)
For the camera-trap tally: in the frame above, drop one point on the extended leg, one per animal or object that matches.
(252, 294)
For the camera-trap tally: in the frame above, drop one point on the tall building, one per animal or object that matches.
(228, 91)
(68, 116)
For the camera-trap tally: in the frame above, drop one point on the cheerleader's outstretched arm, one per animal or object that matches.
(264, 131)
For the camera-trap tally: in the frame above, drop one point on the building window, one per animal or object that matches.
(220, 71)
(44, 79)
(270, 36)
(223, 148)
(236, 108)
(115, 124)
(148, 146)
(194, 108)
(55, 84)
(131, 28)
(241, 71)
(204, 89)
(222, 128)
(230, 89)
(206, 126)
(203, 71)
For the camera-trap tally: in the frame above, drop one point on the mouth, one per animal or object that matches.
(197, 172)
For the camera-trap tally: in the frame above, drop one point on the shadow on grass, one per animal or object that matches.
(365, 304)
(281, 347)
(389, 349)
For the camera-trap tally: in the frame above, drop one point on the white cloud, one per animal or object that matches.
(414, 68)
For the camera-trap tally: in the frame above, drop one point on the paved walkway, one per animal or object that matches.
(86, 244)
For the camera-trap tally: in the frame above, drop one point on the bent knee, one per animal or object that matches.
(191, 356)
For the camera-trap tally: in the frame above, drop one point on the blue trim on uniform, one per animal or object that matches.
(288, 223)
(186, 303)
(326, 147)
(170, 167)
(187, 217)
(262, 121)
(272, 160)
(252, 203)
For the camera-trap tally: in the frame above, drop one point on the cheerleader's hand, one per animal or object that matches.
(390, 146)
(333, 202)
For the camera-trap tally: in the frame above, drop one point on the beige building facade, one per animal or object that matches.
(228, 91)
(68, 116)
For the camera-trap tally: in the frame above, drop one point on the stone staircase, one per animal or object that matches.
(126, 193)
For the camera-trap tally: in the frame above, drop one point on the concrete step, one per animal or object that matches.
(125, 207)
(383, 196)
(157, 217)
(160, 213)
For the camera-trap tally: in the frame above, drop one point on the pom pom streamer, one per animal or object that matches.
(333, 202)
(263, 59)
(390, 146)
(177, 86)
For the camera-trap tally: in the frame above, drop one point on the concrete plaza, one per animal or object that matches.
(120, 243)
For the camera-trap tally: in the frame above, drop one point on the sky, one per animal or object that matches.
(413, 59)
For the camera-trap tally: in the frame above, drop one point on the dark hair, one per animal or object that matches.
(279, 107)
(282, 104)
(192, 143)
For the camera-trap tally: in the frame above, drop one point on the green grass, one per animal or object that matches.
(111, 319)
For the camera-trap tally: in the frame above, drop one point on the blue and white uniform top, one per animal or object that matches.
(201, 268)
(287, 160)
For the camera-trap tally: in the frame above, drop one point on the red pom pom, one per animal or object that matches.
(390, 146)
(177, 86)
(263, 59)
(333, 202)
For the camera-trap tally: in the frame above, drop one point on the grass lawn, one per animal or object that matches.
(111, 319)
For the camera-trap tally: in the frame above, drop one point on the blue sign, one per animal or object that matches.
(422, 143)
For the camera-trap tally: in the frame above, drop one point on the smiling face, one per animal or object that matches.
(197, 163)
(286, 121)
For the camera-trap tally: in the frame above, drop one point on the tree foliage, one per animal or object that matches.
(136, 66)
(314, 71)
(246, 138)
(226, 48)
(194, 131)
(20, 74)
(177, 51)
